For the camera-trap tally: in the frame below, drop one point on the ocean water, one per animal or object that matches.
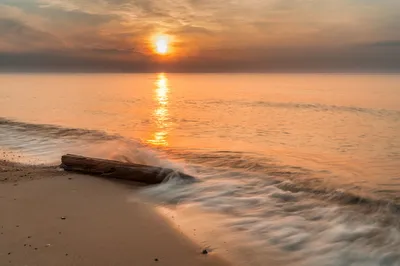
(302, 165)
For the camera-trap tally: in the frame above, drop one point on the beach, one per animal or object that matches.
(50, 217)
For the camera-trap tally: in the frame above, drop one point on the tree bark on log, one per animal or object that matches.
(119, 170)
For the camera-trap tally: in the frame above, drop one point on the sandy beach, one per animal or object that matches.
(49, 217)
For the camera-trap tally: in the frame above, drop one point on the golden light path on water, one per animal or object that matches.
(161, 113)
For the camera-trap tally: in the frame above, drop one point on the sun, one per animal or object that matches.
(161, 44)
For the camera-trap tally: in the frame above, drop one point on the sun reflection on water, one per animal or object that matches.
(161, 113)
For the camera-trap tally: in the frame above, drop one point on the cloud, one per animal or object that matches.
(390, 43)
(18, 14)
(238, 60)
(191, 30)
(16, 36)
(223, 34)
(273, 22)
(68, 62)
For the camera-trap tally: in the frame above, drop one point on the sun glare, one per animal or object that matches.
(161, 112)
(162, 44)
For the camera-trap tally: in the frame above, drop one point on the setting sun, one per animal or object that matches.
(162, 44)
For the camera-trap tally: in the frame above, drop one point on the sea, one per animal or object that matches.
(292, 169)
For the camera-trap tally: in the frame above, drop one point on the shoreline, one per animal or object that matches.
(51, 217)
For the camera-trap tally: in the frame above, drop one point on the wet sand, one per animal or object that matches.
(49, 217)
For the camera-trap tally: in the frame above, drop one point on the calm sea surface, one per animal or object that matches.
(308, 164)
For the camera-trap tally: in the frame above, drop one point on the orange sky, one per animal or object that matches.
(205, 34)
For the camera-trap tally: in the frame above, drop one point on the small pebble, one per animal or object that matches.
(29, 237)
(9, 253)
(155, 259)
(66, 254)
(205, 252)
(63, 218)
(48, 245)
(35, 248)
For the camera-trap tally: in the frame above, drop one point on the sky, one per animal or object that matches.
(205, 35)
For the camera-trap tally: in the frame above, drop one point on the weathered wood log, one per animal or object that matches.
(119, 170)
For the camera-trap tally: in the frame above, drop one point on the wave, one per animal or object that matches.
(287, 177)
(311, 229)
(331, 108)
(309, 106)
(368, 202)
(54, 131)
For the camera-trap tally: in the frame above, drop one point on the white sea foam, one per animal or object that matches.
(311, 231)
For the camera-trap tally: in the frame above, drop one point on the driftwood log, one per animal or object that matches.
(119, 170)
